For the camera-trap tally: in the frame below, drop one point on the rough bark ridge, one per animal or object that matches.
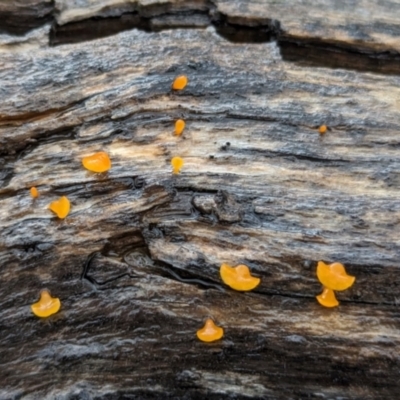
(136, 263)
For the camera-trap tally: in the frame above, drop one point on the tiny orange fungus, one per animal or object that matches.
(333, 277)
(322, 129)
(327, 298)
(179, 127)
(34, 192)
(46, 306)
(210, 332)
(238, 278)
(177, 164)
(98, 162)
(180, 82)
(61, 207)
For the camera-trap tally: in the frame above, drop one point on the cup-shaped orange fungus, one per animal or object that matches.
(334, 276)
(97, 162)
(61, 207)
(179, 127)
(238, 278)
(180, 82)
(46, 306)
(177, 164)
(327, 298)
(210, 332)
(34, 192)
(322, 129)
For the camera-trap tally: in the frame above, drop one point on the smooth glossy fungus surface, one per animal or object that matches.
(322, 129)
(334, 276)
(98, 162)
(34, 192)
(177, 164)
(238, 278)
(327, 298)
(61, 207)
(210, 332)
(46, 306)
(179, 127)
(180, 82)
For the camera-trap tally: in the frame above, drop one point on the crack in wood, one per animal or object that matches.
(314, 51)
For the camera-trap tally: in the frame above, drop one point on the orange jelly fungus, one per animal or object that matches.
(60, 207)
(210, 332)
(180, 82)
(179, 127)
(177, 164)
(238, 278)
(327, 298)
(34, 192)
(97, 162)
(322, 129)
(334, 276)
(46, 306)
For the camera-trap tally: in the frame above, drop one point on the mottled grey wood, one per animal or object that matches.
(136, 262)
(360, 34)
(20, 16)
(372, 24)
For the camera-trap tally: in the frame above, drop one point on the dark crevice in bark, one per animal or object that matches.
(86, 269)
(311, 52)
(308, 51)
(145, 264)
(186, 277)
(19, 17)
(256, 32)
(320, 53)
(97, 27)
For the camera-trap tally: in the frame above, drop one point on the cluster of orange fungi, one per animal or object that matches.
(333, 277)
(100, 162)
(179, 83)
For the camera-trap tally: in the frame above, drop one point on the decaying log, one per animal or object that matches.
(136, 263)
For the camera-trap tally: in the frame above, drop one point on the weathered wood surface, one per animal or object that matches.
(136, 262)
(357, 34)
(21, 16)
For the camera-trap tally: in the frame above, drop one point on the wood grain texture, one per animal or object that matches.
(136, 262)
(359, 34)
(372, 24)
(20, 16)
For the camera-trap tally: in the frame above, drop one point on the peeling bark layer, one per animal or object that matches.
(360, 35)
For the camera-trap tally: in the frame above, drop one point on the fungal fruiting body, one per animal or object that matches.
(180, 82)
(177, 164)
(34, 192)
(238, 278)
(210, 332)
(333, 277)
(179, 127)
(46, 306)
(61, 207)
(98, 162)
(322, 129)
(327, 298)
